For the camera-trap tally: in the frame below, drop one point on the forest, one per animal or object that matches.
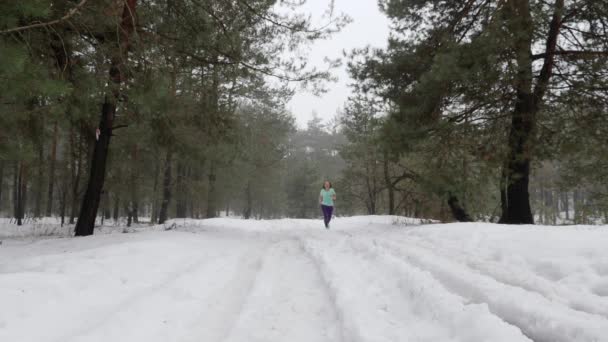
(141, 111)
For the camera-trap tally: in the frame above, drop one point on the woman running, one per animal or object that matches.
(326, 200)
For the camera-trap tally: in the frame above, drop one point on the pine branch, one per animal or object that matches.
(67, 16)
(572, 53)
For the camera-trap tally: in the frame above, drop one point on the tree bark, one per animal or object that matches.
(164, 208)
(516, 175)
(117, 75)
(52, 162)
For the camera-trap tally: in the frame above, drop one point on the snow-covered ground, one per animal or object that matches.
(370, 279)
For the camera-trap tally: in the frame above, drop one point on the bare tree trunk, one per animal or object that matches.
(76, 171)
(566, 204)
(211, 194)
(129, 211)
(106, 205)
(52, 162)
(16, 190)
(154, 214)
(134, 185)
(90, 202)
(39, 180)
(62, 202)
(21, 192)
(164, 208)
(248, 201)
(116, 210)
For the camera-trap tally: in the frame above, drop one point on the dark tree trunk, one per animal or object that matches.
(516, 172)
(107, 213)
(52, 162)
(21, 193)
(458, 212)
(63, 190)
(92, 196)
(566, 204)
(16, 190)
(116, 210)
(248, 201)
(62, 204)
(90, 202)
(129, 211)
(164, 208)
(134, 186)
(211, 194)
(76, 171)
(181, 204)
(154, 214)
(516, 199)
(39, 180)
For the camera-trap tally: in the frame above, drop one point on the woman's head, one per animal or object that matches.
(327, 185)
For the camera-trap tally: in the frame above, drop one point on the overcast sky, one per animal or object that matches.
(369, 27)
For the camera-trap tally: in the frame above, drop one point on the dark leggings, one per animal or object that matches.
(327, 210)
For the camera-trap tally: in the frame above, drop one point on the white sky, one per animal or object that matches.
(369, 27)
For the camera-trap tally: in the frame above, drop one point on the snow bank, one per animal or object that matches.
(367, 279)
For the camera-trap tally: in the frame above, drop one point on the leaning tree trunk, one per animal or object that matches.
(515, 196)
(90, 202)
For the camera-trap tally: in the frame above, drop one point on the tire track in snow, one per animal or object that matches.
(288, 301)
(541, 319)
(383, 299)
(521, 277)
(146, 303)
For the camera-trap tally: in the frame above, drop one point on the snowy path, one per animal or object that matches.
(366, 280)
